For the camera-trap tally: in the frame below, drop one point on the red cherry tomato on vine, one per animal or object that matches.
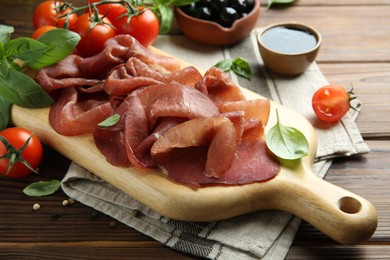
(48, 12)
(110, 10)
(92, 38)
(331, 103)
(144, 27)
(42, 30)
(32, 153)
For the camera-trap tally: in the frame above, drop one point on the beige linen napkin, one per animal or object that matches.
(258, 235)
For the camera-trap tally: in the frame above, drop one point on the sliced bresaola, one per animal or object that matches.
(219, 87)
(73, 116)
(175, 100)
(118, 50)
(256, 114)
(135, 74)
(77, 71)
(217, 133)
(252, 163)
(148, 108)
(65, 73)
(110, 140)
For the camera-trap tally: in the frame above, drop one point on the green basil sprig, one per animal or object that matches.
(21, 53)
(287, 142)
(42, 188)
(238, 65)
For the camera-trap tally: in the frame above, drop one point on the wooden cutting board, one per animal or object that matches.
(342, 215)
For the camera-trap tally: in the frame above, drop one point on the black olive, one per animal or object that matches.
(249, 6)
(189, 9)
(217, 5)
(203, 13)
(227, 16)
(239, 5)
(206, 3)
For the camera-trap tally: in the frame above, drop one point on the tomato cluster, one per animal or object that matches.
(95, 28)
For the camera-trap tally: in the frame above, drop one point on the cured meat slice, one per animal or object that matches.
(218, 133)
(111, 140)
(175, 100)
(125, 78)
(71, 116)
(118, 50)
(136, 130)
(256, 113)
(112, 145)
(65, 73)
(148, 105)
(252, 163)
(141, 153)
(219, 87)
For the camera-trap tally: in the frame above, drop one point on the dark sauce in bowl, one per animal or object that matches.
(288, 40)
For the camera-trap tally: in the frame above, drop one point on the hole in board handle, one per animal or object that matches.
(350, 205)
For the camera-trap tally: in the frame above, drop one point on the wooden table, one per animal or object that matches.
(355, 52)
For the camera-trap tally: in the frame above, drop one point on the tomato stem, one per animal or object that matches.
(15, 155)
(351, 96)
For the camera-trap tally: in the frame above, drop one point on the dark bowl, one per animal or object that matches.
(211, 33)
(289, 64)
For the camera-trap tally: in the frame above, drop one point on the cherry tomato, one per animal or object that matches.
(144, 27)
(92, 38)
(331, 103)
(48, 12)
(17, 137)
(41, 30)
(110, 10)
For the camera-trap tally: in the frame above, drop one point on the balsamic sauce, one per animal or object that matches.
(288, 40)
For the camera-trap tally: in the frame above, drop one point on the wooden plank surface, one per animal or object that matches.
(355, 51)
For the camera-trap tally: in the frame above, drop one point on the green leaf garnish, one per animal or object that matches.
(60, 43)
(5, 33)
(25, 49)
(287, 142)
(238, 65)
(283, 2)
(42, 188)
(18, 88)
(5, 111)
(110, 121)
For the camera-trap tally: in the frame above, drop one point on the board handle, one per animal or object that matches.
(342, 215)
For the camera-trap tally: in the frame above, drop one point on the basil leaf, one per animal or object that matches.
(165, 16)
(225, 65)
(242, 68)
(25, 49)
(238, 65)
(42, 188)
(182, 2)
(60, 43)
(110, 121)
(271, 2)
(5, 33)
(5, 111)
(287, 142)
(20, 89)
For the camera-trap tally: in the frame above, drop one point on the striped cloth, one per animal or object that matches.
(258, 235)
